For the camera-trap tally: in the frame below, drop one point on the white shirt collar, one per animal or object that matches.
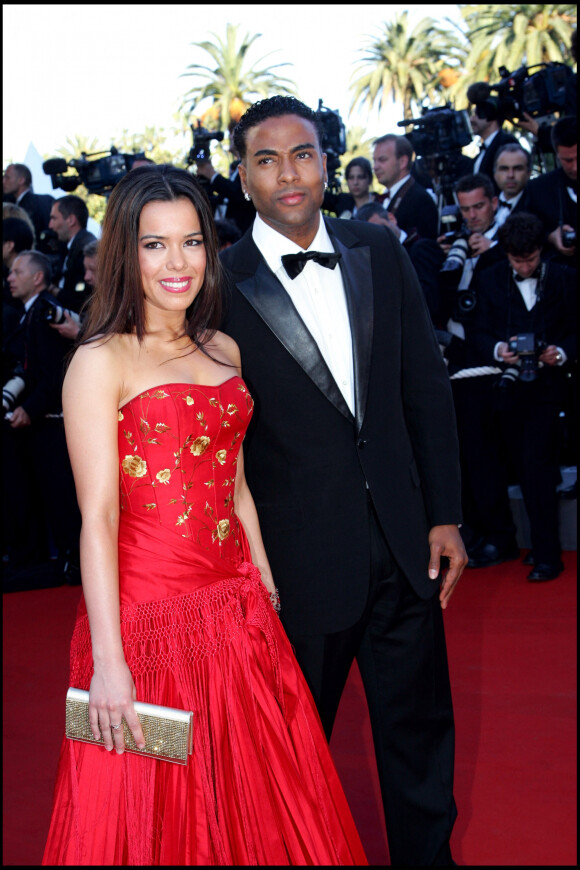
(23, 194)
(30, 302)
(273, 245)
(487, 142)
(397, 186)
(511, 200)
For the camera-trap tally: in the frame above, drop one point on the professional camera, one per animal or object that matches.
(528, 348)
(508, 377)
(333, 141)
(451, 222)
(439, 131)
(55, 313)
(98, 176)
(538, 94)
(568, 238)
(12, 389)
(201, 142)
(457, 255)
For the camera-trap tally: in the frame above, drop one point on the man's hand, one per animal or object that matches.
(205, 168)
(19, 418)
(505, 353)
(70, 328)
(555, 238)
(446, 541)
(478, 243)
(528, 123)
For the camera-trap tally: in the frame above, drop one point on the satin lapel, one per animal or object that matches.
(355, 266)
(269, 299)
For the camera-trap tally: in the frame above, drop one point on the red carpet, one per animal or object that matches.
(512, 653)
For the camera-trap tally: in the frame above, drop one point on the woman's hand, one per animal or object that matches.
(111, 698)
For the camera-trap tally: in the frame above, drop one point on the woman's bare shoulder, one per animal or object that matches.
(225, 348)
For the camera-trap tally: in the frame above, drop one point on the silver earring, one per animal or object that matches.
(247, 196)
(326, 185)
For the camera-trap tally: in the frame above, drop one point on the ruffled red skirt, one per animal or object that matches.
(260, 787)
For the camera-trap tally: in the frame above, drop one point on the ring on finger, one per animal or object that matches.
(116, 727)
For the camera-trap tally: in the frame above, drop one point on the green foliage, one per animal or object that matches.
(512, 35)
(404, 65)
(233, 83)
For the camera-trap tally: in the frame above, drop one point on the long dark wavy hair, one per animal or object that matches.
(117, 304)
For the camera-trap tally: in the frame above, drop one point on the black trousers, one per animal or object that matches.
(400, 647)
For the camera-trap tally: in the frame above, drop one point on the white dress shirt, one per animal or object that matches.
(502, 212)
(319, 298)
(487, 142)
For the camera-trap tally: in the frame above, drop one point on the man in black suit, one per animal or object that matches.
(36, 431)
(17, 183)
(511, 173)
(489, 530)
(486, 120)
(553, 197)
(413, 211)
(352, 460)
(532, 305)
(68, 219)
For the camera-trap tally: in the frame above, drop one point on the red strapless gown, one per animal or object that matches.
(199, 633)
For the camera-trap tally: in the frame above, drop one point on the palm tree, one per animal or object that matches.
(512, 35)
(405, 65)
(232, 86)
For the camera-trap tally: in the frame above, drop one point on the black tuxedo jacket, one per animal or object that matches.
(416, 212)
(308, 460)
(74, 273)
(486, 165)
(38, 206)
(502, 313)
(548, 197)
(42, 352)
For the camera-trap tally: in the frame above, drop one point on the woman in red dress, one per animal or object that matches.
(178, 603)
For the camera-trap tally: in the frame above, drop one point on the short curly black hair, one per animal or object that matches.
(273, 107)
(521, 234)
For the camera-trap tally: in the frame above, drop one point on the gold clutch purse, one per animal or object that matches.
(168, 732)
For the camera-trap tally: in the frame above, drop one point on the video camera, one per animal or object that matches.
(98, 176)
(538, 94)
(201, 142)
(333, 140)
(439, 131)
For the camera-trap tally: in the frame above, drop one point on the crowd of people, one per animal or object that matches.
(353, 377)
(457, 258)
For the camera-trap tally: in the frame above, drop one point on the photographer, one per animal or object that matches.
(553, 197)
(68, 219)
(68, 323)
(414, 211)
(486, 122)
(34, 429)
(511, 173)
(17, 184)
(525, 320)
(238, 208)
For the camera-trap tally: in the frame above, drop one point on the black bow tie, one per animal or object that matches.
(535, 274)
(294, 263)
(505, 204)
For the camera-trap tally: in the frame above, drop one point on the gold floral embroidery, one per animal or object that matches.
(188, 400)
(222, 530)
(231, 409)
(221, 456)
(200, 445)
(201, 417)
(150, 506)
(134, 466)
(209, 482)
(163, 476)
(121, 416)
(160, 394)
(213, 402)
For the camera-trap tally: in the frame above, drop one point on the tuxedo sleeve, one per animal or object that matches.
(428, 404)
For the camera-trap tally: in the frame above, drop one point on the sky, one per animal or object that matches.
(95, 70)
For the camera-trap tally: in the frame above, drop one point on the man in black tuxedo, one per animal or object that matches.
(511, 173)
(489, 530)
(352, 461)
(68, 219)
(35, 433)
(17, 183)
(534, 306)
(413, 211)
(486, 120)
(553, 197)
